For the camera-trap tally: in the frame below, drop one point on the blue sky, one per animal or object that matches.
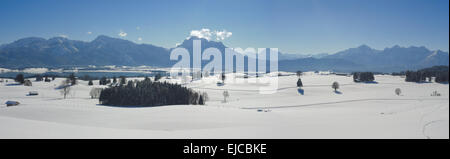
(293, 26)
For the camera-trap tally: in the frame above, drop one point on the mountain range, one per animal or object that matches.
(104, 50)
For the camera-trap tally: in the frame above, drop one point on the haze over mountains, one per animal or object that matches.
(104, 50)
(364, 58)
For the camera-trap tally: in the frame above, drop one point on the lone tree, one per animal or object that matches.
(65, 87)
(398, 91)
(39, 78)
(223, 77)
(441, 77)
(299, 82)
(47, 79)
(363, 77)
(225, 96)
(335, 86)
(19, 78)
(148, 93)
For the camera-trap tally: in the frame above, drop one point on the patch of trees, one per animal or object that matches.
(299, 82)
(398, 91)
(363, 77)
(442, 77)
(417, 76)
(39, 78)
(439, 72)
(104, 81)
(72, 79)
(148, 93)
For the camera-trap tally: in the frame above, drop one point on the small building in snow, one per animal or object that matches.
(12, 103)
(33, 93)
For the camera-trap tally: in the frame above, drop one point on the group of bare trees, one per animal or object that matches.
(65, 87)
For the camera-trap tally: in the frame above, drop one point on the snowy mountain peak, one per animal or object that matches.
(188, 43)
(364, 47)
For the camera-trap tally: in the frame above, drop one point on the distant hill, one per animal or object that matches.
(39, 52)
(436, 69)
(364, 58)
(392, 59)
(104, 50)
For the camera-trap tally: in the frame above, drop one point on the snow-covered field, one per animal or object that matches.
(359, 111)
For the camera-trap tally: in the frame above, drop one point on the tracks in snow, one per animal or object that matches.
(338, 102)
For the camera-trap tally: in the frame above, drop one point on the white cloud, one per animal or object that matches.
(222, 35)
(203, 33)
(139, 39)
(89, 33)
(208, 34)
(138, 28)
(63, 36)
(122, 34)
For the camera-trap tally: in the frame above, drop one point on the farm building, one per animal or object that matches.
(12, 103)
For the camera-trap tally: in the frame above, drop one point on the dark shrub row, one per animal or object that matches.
(148, 93)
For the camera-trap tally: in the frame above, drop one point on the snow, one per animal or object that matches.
(359, 111)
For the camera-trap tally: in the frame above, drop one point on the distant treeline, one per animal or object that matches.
(149, 93)
(440, 74)
(82, 75)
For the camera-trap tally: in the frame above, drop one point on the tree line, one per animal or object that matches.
(149, 93)
(363, 77)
